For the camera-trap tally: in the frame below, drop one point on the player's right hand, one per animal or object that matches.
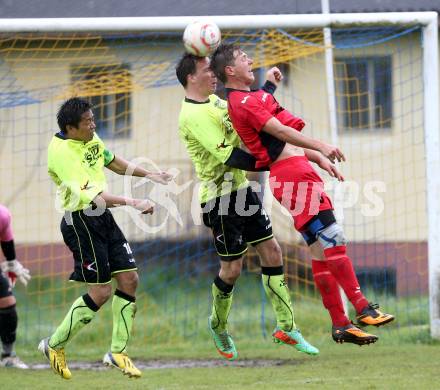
(14, 270)
(145, 206)
(332, 153)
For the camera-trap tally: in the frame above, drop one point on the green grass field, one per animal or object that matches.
(404, 357)
(409, 366)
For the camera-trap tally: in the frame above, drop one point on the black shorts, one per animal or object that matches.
(5, 288)
(236, 219)
(99, 248)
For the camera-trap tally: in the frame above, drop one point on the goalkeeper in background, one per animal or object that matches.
(76, 160)
(11, 269)
(231, 208)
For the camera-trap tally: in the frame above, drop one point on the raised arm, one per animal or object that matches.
(274, 76)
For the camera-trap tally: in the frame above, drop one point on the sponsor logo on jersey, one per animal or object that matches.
(92, 155)
(86, 186)
(227, 124)
(245, 98)
(222, 145)
(220, 104)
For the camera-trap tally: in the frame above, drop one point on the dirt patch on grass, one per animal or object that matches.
(185, 363)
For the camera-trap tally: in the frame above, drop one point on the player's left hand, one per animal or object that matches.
(331, 169)
(160, 177)
(274, 75)
(145, 206)
(14, 270)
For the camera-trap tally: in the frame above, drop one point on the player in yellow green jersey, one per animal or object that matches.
(76, 159)
(230, 207)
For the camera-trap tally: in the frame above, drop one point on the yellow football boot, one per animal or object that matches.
(123, 363)
(56, 358)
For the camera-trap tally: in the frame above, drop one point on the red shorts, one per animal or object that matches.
(296, 185)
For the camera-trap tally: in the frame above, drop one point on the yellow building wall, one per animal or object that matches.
(395, 157)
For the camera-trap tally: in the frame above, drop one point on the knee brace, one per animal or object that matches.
(323, 220)
(331, 236)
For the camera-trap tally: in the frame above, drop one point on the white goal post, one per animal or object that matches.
(429, 23)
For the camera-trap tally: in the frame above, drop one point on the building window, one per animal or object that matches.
(108, 88)
(364, 90)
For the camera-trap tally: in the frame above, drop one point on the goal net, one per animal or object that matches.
(377, 76)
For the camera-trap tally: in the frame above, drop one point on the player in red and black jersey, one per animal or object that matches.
(273, 135)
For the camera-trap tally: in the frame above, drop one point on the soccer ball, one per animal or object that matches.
(201, 38)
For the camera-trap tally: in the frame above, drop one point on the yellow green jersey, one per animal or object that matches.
(209, 137)
(76, 167)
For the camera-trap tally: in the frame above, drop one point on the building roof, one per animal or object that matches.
(113, 8)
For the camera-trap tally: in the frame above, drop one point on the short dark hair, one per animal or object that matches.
(221, 58)
(186, 66)
(71, 111)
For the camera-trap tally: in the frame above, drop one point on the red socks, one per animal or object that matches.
(329, 289)
(339, 264)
